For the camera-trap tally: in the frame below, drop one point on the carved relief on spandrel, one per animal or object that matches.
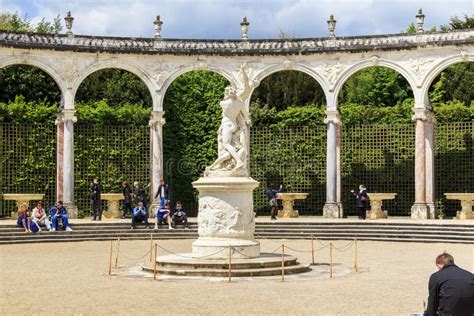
(332, 72)
(420, 65)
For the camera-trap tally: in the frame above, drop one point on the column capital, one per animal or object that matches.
(65, 115)
(157, 117)
(332, 117)
(424, 115)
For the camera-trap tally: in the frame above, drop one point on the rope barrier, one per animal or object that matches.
(134, 259)
(190, 257)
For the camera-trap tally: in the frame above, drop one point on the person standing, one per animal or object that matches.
(95, 200)
(127, 198)
(451, 289)
(163, 192)
(272, 200)
(362, 200)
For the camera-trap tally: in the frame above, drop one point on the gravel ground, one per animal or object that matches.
(70, 278)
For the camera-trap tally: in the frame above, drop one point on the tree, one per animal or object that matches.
(116, 87)
(456, 23)
(14, 23)
(375, 87)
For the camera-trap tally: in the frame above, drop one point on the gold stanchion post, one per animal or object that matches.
(282, 263)
(230, 263)
(154, 265)
(330, 259)
(110, 258)
(151, 247)
(118, 249)
(312, 248)
(356, 259)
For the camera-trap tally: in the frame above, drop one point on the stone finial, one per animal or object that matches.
(420, 19)
(69, 19)
(158, 23)
(244, 27)
(331, 26)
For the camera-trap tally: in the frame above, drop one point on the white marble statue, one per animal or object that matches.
(232, 134)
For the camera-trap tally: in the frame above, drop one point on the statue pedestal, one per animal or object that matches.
(226, 218)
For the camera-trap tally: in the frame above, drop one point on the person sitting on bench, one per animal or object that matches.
(59, 212)
(40, 217)
(163, 216)
(179, 216)
(24, 219)
(139, 215)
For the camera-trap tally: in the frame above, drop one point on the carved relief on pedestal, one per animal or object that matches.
(217, 218)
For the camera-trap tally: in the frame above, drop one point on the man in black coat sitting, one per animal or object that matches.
(451, 289)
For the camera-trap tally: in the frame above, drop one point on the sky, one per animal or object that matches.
(214, 19)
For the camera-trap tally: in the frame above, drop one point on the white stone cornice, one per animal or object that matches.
(65, 115)
(424, 115)
(157, 117)
(332, 117)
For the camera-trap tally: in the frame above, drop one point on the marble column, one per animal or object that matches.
(420, 209)
(338, 165)
(59, 156)
(331, 208)
(430, 190)
(65, 122)
(156, 123)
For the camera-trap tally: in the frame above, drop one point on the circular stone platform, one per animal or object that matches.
(266, 265)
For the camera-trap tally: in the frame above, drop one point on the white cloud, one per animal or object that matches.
(221, 18)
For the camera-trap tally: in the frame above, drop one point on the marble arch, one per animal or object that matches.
(28, 61)
(419, 57)
(80, 76)
(372, 62)
(168, 80)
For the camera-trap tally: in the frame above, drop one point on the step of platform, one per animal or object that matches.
(265, 265)
(430, 232)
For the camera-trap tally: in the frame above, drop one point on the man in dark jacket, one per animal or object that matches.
(139, 194)
(163, 192)
(362, 200)
(451, 289)
(95, 200)
(127, 198)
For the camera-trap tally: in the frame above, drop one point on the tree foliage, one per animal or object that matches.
(13, 22)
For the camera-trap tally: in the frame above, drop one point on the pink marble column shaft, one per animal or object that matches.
(420, 168)
(59, 160)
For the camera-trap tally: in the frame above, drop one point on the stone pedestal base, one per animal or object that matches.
(420, 211)
(72, 211)
(332, 210)
(218, 248)
(225, 218)
(288, 213)
(112, 210)
(464, 215)
(433, 212)
(376, 214)
(152, 209)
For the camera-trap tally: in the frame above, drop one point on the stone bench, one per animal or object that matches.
(467, 201)
(22, 198)
(376, 204)
(288, 200)
(112, 199)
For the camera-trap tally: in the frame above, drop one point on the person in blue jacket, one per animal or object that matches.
(362, 200)
(59, 212)
(139, 215)
(272, 200)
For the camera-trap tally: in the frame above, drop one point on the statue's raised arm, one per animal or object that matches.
(244, 92)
